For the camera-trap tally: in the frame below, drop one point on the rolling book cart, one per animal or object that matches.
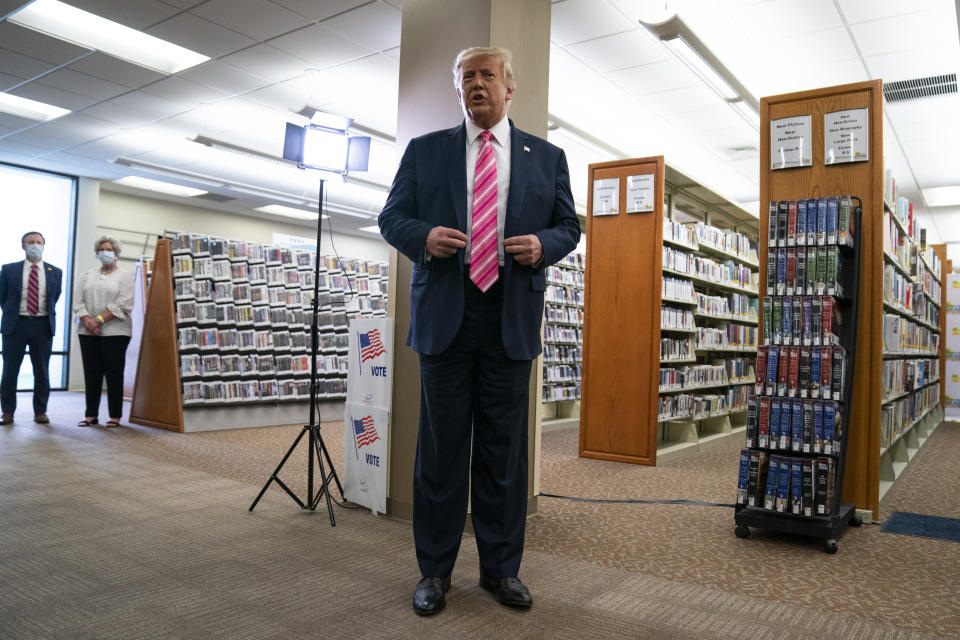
(792, 469)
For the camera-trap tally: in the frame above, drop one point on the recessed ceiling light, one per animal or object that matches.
(942, 196)
(160, 187)
(86, 29)
(26, 108)
(290, 212)
(371, 229)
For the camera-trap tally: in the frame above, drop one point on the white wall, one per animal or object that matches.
(141, 217)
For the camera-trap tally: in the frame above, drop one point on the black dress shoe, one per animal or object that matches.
(429, 597)
(6, 418)
(509, 591)
(41, 418)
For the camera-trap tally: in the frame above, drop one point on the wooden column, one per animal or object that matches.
(621, 324)
(946, 266)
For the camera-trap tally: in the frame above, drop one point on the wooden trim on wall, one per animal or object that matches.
(946, 266)
(621, 326)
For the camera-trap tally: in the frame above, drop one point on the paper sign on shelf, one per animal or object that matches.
(606, 197)
(640, 193)
(791, 142)
(846, 136)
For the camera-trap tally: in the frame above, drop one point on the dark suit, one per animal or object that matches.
(475, 348)
(20, 332)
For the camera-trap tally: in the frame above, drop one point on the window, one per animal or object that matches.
(33, 200)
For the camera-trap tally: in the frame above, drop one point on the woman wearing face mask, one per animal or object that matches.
(102, 301)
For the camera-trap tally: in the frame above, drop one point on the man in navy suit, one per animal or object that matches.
(29, 291)
(481, 209)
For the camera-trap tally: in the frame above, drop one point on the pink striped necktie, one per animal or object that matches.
(483, 230)
(33, 290)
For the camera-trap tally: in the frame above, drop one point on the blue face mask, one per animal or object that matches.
(106, 257)
(34, 251)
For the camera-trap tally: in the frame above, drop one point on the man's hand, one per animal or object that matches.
(443, 242)
(525, 249)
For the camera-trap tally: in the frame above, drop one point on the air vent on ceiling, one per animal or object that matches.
(215, 197)
(920, 88)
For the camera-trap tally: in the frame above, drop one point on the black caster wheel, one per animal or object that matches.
(830, 546)
(856, 521)
(742, 531)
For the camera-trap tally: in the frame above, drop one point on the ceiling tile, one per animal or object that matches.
(657, 76)
(935, 27)
(9, 81)
(16, 152)
(579, 20)
(38, 45)
(184, 91)
(20, 66)
(717, 117)
(51, 95)
(676, 101)
(137, 15)
(319, 46)
(136, 108)
(100, 65)
(375, 26)
(929, 111)
(866, 10)
(627, 49)
(291, 94)
(32, 138)
(74, 128)
(257, 19)
(266, 62)
(15, 122)
(223, 77)
(83, 84)
(916, 63)
(319, 10)
(200, 35)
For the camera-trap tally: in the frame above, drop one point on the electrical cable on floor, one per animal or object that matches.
(681, 501)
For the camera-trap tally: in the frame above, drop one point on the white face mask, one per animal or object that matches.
(34, 251)
(106, 257)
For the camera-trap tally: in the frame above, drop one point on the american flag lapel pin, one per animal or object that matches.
(526, 148)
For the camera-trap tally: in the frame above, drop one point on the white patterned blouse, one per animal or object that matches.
(97, 291)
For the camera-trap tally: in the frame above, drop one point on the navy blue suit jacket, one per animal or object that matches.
(430, 189)
(11, 286)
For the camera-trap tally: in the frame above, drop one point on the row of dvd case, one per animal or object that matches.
(272, 389)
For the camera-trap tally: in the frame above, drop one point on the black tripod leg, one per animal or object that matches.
(277, 470)
(325, 484)
(333, 471)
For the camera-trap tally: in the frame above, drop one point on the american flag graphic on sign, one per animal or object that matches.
(370, 345)
(364, 432)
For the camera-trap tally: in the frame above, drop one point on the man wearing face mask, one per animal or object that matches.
(29, 291)
(102, 304)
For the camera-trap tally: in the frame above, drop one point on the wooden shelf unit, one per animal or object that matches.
(623, 326)
(867, 471)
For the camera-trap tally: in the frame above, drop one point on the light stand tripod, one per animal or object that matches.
(316, 444)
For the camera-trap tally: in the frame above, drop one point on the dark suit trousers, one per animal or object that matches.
(472, 394)
(104, 356)
(34, 333)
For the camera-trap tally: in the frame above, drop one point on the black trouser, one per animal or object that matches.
(33, 332)
(472, 394)
(104, 356)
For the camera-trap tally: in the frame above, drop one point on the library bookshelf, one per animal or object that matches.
(670, 320)
(872, 461)
(563, 342)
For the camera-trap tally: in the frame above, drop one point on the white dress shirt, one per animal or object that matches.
(501, 153)
(41, 281)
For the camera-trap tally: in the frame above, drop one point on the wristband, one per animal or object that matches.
(99, 318)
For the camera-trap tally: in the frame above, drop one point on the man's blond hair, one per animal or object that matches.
(502, 54)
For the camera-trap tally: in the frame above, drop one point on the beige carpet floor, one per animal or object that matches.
(140, 533)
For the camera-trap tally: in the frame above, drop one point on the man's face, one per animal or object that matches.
(483, 91)
(33, 238)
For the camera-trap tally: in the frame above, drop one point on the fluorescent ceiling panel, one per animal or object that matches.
(289, 212)
(31, 109)
(160, 187)
(80, 27)
(942, 196)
